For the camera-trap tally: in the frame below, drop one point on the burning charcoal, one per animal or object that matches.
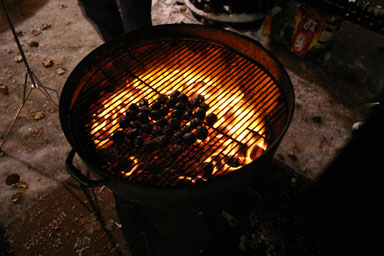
(12, 179)
(163, 111)
(175, 93)
(182, 98)
(139, 141)
(176, 138)
(143, 117)
(118, 137)
(156, 105)
(163, 141)
(133, 107)
(189, 138)
(146, 128)
(162, 98)
(204, 106)
(143, 102)
(176, 113)
(156, 131)
(132, 133)
(168, 131)
(185, 129)
(162, 122)
(174, 123)
(171, 102)
(150, 146)
(180, 106)
(201, 132)
(195, 122)
(211, 119)
(176, 150)
(200, 113)
(155, 114)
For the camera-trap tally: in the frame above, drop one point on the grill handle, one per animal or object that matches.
(78, 176)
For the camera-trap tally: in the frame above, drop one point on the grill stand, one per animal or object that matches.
(189, 232)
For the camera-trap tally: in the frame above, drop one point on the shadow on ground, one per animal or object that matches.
(19, 10)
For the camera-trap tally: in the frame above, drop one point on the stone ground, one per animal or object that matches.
(331, 94)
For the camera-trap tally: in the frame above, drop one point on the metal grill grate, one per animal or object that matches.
(248, 103)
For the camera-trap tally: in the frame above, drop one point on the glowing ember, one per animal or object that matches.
(237, 138)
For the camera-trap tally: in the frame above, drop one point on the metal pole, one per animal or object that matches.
(34, 80)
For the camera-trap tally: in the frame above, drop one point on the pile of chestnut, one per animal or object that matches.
(170, 122)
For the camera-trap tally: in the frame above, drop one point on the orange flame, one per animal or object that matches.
(237, 113)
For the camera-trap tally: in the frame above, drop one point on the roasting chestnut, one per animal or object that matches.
(193, 103)
(139, 141)
(176, 113)
(180, 106)
(211, 119)
(176, 150)
(155, 114)
(195, 122)
(135, 124)
(162, 98)
(185, 129)
(176, 138)
(132, 133)
(123, 122)
(168, 131)
(175, 93)
(189, 138)
(163, 111)
(162, 141)
(161, 122)
(199, 113)
(204, 106)
(142, 117)
(146, 128)
(130, 115)
(157, 131)
(156, 105)
(182, 98)
(171, 102)
(201, 132)
(174, 123)
(145, 109)
(198, 99)
(143, 102)
(133, 107)
(150, 146)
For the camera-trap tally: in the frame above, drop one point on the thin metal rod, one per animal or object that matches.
(14, 119)
(34, 80)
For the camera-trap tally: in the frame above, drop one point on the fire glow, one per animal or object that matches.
(237, 138)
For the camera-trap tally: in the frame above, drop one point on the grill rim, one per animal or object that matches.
(71, 87)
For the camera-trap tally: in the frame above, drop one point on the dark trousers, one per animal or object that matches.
(114, 17)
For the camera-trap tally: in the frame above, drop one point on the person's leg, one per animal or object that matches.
(136, 14)
(104, 15)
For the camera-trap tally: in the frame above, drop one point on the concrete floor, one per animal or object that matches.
(331, 93)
